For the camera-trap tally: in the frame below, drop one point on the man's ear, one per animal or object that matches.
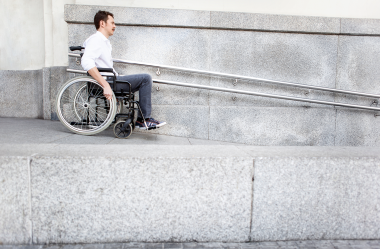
(102, 23)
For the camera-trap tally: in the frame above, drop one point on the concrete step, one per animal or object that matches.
(58, 187)
(357, 244)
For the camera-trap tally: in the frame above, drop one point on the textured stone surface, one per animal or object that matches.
(178, 47)
(140, 16)
(312, 24)
(207, 19)
(46, 93)
(31, 131)
(185, 121)
(316, 198)
(232, 20)
(360, 26)
(322, 244)
(251, 21)
(100, 199)
(298, 58)
(21, 93)
(15, 224)
(357, 128)
(58, 77)
(308, 151)
(358, 67)
(273, 126)
(37, 131)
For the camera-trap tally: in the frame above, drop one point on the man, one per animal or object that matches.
(98, 54)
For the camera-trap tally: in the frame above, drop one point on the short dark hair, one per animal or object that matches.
(101, 16)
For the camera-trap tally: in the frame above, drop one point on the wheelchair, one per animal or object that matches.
(83, 109)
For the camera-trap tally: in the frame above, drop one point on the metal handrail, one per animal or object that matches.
(250, 93)
(234, 76)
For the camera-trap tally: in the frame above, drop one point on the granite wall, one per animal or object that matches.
(30, 93)
(21, 93)
(72, 194)
(328, 52)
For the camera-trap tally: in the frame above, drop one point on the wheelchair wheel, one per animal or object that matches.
(119, 132)
(82, 107)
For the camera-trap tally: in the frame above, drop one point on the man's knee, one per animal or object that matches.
(147, 80)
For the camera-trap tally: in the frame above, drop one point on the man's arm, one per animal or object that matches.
(107, 91)
(93, 48)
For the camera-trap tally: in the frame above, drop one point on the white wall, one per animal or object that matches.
(35, 33)
(22, 41)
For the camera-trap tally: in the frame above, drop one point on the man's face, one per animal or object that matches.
(109, 26)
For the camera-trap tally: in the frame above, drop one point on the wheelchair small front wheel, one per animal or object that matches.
(82, 107)
(120, 132)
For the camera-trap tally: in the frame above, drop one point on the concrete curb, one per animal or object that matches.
(71, 194)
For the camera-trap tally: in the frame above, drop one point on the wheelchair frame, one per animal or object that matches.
(83, 109)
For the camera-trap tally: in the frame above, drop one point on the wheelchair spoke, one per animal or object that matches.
(99, 111)
(120, 131)
(82, 108)
(98, 93)
(84, 111)
(93, 90)
(80, 95)
(68, 99)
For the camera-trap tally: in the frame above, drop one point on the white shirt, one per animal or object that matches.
(97, 53)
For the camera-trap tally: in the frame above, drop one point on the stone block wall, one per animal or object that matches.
(187, 193)
(328, 52)
(308, 50)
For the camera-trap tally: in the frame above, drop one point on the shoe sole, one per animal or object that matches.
(162, 124)
(149, 128)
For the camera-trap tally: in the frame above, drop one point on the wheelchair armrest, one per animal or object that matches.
(105, 70)
(123, 81)
(73, 48)
(130, 86)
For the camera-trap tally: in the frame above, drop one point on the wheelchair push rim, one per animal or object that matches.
(82, 107)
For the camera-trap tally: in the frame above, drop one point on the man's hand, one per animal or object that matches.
(107, 92)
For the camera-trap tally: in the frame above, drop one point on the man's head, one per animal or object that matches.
(104, 22)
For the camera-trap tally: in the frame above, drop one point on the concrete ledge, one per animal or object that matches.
(356, 26)
(15, 216)
(267, 22)
(169, 193)
(139, 16)
(316, 198)
(104, 199)
(186, 193)
(225, 20)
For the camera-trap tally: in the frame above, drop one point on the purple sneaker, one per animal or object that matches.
(149, 125)
(158, 123)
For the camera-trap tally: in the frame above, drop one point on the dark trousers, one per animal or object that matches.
(143, 84)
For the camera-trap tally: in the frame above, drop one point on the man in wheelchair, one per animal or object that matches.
(97, 54)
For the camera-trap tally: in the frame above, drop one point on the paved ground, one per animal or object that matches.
(309, 244)
(29, 131)
(52, 136)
